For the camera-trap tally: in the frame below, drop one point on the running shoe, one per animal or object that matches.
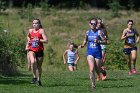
(103, 77)
(134, 71)
(34, 81)
(130, 72)
(104, 72)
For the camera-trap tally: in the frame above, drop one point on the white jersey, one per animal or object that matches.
(102, 45)
(71, 56)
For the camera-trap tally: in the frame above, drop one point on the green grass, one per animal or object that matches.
(71, 82)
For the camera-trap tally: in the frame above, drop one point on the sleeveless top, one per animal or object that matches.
(131, 39)
(35, 45)
(103, 45)
(92, 46)
(71, 56)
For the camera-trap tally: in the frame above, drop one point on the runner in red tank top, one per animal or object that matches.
(35, 45)
(36, 38)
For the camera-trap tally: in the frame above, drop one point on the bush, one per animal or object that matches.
(44, 9)
(12, 53)
(51, 55)
(2, 6)
(115, 7)
(115, 56)
(26, 13)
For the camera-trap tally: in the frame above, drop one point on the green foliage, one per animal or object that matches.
(2, 6)
(51, 55)
(115, 7)
(22, 13)
(83, 5)
(44, 9)
(115, 56)
(53, 11)
(11, 52)
(26, 13)
(30, 10)
(131, 4)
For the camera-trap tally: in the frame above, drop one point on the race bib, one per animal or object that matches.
(71, 59)
(130, 40)
(92, 45)
(35, 44)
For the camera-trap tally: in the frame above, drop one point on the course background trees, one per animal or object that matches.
(127, 4)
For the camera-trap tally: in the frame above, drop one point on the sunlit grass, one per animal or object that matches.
(71, 82)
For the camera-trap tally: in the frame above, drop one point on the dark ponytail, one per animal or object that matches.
(74, 45)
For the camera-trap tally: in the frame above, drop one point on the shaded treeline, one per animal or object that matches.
(127, 4)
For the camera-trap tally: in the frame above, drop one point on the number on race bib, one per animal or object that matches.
(92, 45)
(35, 44)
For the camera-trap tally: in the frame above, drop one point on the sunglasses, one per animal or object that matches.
(93, 23)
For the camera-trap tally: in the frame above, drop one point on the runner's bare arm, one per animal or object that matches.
(137, 37)
(64, 54)
(45, 39)
(103, 38)
(84, 42)
(124, 36)
(77, 57)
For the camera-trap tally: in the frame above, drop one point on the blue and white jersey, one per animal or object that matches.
(92, 35)
(71, 56)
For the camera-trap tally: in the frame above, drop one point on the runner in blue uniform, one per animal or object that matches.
(93, 39)
(131, 38)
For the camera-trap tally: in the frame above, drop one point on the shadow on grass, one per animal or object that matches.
(87, 78)
(118, 79)
(118, 86)
(15, 80)
(61, 85)
(74, 88)
(115, 85)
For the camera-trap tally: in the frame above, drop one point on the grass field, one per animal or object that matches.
(71, 82)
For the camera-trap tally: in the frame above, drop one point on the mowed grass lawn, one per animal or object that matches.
(71, 82)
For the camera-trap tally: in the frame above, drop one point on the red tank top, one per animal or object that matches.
(35, 45)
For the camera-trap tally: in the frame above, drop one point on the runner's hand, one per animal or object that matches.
(80, 46)
(64, 62)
